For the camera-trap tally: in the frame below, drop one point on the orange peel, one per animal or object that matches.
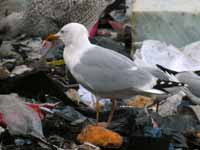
(100, 136)
(140, 102)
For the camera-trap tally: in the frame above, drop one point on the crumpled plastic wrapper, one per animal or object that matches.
(19, 118)
(155, 52)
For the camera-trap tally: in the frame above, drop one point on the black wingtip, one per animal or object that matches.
(163, 84)
(166, 70)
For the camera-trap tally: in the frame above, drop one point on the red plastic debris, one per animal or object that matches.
(36, 108)
(93, 30)
(2, 123)
(115, 25)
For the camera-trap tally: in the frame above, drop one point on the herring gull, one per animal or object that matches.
(104, 72)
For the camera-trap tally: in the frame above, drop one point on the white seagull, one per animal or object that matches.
(104, 72)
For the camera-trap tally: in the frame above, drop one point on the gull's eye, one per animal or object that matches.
(61, 31)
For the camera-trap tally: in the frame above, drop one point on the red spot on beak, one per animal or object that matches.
(46, 44)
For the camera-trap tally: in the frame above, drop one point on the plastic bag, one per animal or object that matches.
(19, 118)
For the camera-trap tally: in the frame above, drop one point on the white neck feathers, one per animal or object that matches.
(74, 51)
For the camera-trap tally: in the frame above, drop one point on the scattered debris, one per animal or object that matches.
(50, 110)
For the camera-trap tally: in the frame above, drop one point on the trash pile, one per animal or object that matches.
(42, 106)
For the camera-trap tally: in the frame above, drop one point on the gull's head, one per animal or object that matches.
(71, 33)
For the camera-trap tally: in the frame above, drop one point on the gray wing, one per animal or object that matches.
(156, 73)
(192, 80)
(104, 71)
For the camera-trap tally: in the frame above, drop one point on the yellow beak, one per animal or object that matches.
(52, 37)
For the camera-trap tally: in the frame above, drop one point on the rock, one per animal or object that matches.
(41, 17)
(173, 21)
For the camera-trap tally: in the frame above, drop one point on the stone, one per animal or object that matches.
(173, 21)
